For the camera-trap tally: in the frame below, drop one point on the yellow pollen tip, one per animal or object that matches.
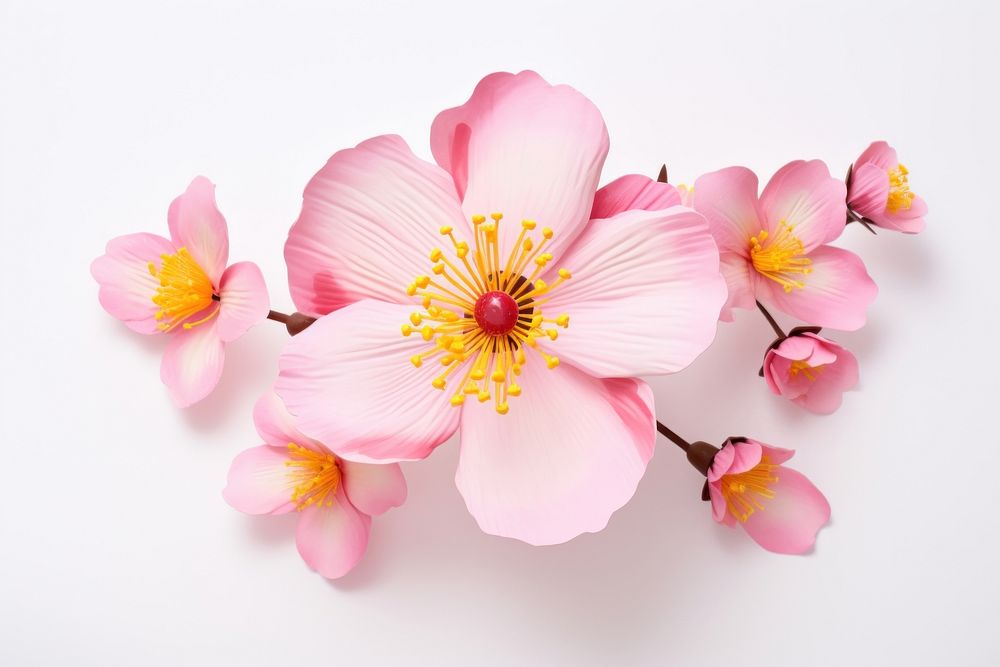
(562, 321)
(552, 362)
(483, 396)
(514, 390)
(445, 230)
(427, 332)
(438, 383)
(565, 274)
(477, 375)
(458, 399)
(497, 217)
(498, 376)
(547, 233)
(529, 224)
(436, 255)
(423, 281)
(477, 219)
(416, 319)
(416, 361)
(503, 408)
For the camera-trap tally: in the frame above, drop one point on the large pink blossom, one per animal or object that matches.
(880, 191)
(478, 295)
(774, 247)
(811, 371)
(335, 498)
(181, 286)
(777, 506)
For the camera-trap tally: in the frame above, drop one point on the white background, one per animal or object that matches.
(117, 547)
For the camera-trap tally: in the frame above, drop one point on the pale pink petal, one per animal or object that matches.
(192, 363)
(126, 285)
(728, 200)
(258, 481)
(804, 196)
(568, 454)
(746, 455)
(720, 511)
(880, 154)
(740, 279)
(869, 190)
(276, 425)
(807, 347)
(526, 149)
(633, 192)
(907, 220)
(722, 462)
(243, 300)
(196, 224)
(369, 220)
(789, 522)
(374, 488)
(349, 382)
(775, 455)
(331, 540)
(832, 380)
(644, 296)
(836, 294)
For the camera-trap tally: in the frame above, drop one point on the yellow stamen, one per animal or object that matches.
(811, 372)
(780, 257)
(900, 196)
(490, 361)
(314, 476)
(746, 492)
(185, 290)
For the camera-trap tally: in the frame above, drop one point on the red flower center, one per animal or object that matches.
(496, 313)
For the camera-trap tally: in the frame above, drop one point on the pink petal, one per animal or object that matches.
(243, 300)
(789, 523)
(880, 154)
(568, 454)
(526, 149)
(349, 382)
(826, 393)
(196, 224)
(728, 200)
(369, 219)
(258, 481)
(644, 296)
(836, 294)
(906, 220)
(374, 488)
(331, 540)
(276, 425)
(869, 191)
(633, 192)
(192, 363)
(746, 455)
(775, 455)
(804, 195)
(126, 285)
(740, 279)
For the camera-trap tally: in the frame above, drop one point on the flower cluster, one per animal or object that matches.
(500, 295)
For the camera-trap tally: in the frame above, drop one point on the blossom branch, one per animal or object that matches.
(296, 323)
(672, 437)
(770, 320)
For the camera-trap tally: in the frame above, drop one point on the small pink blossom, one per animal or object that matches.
(335, 498)
(778, 507)
(182, 287)
(880, 191)
(810, 371)
(774, 247)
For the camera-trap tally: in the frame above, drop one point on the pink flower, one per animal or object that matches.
(533, 364)
(335, 498)
(182, 287)
(777, 506)
(774, 247)
(810, 371)
(880, 191)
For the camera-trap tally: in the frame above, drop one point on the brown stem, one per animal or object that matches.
(672, 437)
(277, 317)
(770, 320)
(296, 323)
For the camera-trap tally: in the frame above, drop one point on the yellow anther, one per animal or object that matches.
(406, 329)
(458, 347)
(514, 389)
(411, 289)
(552, 362)
(423, 281)
(547, 233)
(536, 320)
(565, 274)
(458, 399)
(447, 359)
(528, 224)
(438, 383)
(438, 269)
(541, 285)
(416, 361)
(483, 396)
(436, 255)
(502, 408)
(477, 219)
(477, 374)
(471, 388)
(528, 245)
(427, 332)
(416, 319)
(552, 333)
(462, 249)
(499, 375)
(497, 217)
(562, 320)
(426, 300)
(445, 230)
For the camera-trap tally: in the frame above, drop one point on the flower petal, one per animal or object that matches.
(804, 195)
(837, 292)
(126, 285)
(869, 191)
(644, 297)
(349, 382)
(369, 219)
(243, 300)
(374, 488)
(527, 149)
(192, 363)
(740, 279)
(331, 540)
(568, 454)
(196, 224)
(789, 522)
(880, 154)
(633, 192)
(276, 425)
(728, 200)
(258, 481)
(827, 391)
